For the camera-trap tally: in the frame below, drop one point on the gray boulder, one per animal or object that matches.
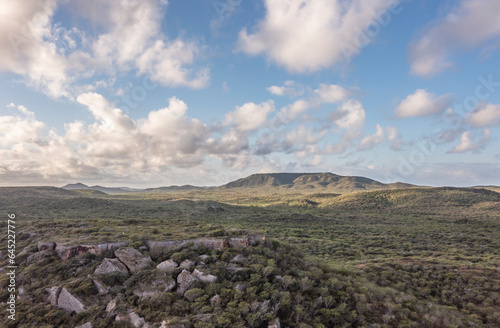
(133, 259)
(53, 295)
(111, 265)
(204, 277)
(167, 265)
(136, 321)
(187, 264)
(68, 302)
(155, 287)
(184, 281)
(101, 287)
(111, 306)
(68, 251)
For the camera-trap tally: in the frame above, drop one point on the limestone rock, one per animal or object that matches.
(184, 281)
(155, 287)
(68, 251)
(68, 302)
(187, 264)
(204, 257)
(133, 259)
(136, 320)
(53, 295)
(111, 265)
(204, 277)
(86, 325)
(240, 287)
(167, 265)
(101, 287)
(111, 306)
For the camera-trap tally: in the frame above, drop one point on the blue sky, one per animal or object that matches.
(155, 92)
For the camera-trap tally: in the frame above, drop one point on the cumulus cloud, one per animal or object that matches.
(289, 88)
(54, 59)
(470, 24)
(467, 142)
(484, 115)
(250, 116)
(324, 94)
(381, 134)
(423, 103)
(289, 37)
(349, 116)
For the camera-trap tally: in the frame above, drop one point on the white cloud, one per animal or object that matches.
(289, 37)
(325, 94)
(371, 141)
(250, 116)
(381, 134)
(20, 128)
(349, 116)
(331, 94)
(467, 142)
(472, 23)
(422, 103)
(484, 115)
(289, 88)
(54, 59)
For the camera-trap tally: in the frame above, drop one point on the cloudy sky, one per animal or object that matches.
(154, 92)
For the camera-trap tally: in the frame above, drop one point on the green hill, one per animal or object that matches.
(310, 182)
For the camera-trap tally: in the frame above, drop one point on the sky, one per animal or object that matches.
(148, 93)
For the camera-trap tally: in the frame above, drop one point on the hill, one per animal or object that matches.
(311, 181)
(175, 189)
(106, 190)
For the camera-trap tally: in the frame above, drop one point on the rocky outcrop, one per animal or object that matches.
(155, 287)
(111, 265)
(68, 302)
(167, 265)
(208, 278)
(66, 252)
(133, 259)
(184, 281)
(187, 264)
(133, 318)
(156, 248)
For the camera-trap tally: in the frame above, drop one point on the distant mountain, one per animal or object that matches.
(175, 188)
(107, 190)
(312, 181)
